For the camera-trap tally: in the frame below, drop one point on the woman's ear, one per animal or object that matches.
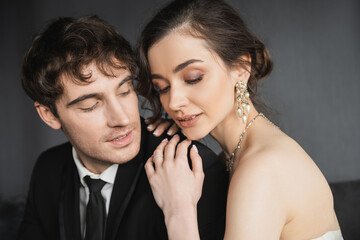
(241, 72)
(47, 116)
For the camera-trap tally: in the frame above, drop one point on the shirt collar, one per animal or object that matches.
(108, 175)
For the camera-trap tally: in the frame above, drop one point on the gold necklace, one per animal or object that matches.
(230, 160)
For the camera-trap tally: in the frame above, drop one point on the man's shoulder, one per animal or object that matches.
(210, 159)
(55, 157)
(64, 147)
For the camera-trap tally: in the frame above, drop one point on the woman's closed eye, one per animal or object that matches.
(161, 87)
(195, 80)
(164, 90)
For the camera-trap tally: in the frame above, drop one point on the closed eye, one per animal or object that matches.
(164, 90)
(125, 93)
(126, 89)
(195, 80)
(89, 109)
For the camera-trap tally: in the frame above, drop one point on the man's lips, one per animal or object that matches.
(122, 139)
(118, 136)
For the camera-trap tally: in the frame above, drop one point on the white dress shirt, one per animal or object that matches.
(107, 176)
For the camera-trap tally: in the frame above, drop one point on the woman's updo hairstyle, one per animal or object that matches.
(219, 25)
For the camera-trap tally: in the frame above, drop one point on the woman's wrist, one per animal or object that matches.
(179, 210)
(181, 223)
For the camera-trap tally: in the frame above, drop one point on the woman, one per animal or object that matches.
(201, 62)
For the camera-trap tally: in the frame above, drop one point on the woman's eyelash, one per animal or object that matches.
(195, 80)
(164, 90)
(190, 81)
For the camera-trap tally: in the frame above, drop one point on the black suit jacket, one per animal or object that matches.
(52, 209)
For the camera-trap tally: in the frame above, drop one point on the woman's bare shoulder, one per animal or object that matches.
(277, 178)
(280, 165)
(256, 195)
(279, 157)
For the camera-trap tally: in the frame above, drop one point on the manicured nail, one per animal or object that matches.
(150, 127)
(164, 140)
(195, 148)
(170, 132)
(147, 120)
(156, 132)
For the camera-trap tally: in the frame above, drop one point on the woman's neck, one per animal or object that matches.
(228, 132)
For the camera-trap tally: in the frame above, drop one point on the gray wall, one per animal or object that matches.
(314, 86)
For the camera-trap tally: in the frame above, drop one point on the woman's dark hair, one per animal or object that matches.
(219, 25)
(65, 47)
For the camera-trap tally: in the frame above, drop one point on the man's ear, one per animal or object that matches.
(241, 72)
(47, 116)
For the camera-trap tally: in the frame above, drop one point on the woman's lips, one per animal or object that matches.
(189, 120)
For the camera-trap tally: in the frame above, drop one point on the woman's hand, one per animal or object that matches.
(176, 187)
(161, 125)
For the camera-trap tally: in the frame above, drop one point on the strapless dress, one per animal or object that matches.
(332, 235)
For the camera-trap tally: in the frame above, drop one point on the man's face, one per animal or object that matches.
(101, 119)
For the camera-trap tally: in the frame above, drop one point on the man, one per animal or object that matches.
(79, 73)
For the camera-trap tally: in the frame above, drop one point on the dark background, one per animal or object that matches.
(314, 86)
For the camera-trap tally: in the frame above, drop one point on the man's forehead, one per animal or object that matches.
(112, 68)
(73, 86)
(90, 73)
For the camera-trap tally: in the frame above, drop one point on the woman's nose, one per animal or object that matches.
(178, 98)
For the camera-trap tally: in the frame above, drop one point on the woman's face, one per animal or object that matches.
(196, 88)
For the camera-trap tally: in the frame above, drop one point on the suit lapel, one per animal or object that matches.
(69, 212)
(124, 187)
(125, 184)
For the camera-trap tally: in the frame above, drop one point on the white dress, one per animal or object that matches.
(332, 235)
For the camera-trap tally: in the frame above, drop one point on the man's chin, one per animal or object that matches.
(125, 154)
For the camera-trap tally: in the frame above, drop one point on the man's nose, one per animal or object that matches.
(178, 98)
(116, 114)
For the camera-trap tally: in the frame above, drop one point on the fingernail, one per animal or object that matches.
(150, 127)
(156, 132)
(164, 140)
(195, 148)
(147, 120)
(170, 132)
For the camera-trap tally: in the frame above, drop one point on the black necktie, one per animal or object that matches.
(95, 210)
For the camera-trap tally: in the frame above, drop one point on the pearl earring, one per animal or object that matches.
(242, 98)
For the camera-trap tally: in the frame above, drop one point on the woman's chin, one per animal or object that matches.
(192, 135)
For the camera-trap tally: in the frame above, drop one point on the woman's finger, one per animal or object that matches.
(153, 125)
(182, 150)
(196, 161)
(158, 156)
(149, 167)
(170, 148)
(161, 127)
(173, 129)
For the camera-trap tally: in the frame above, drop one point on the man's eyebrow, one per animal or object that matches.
(126, 79)
(92, 95)
(81, 98)
(178, 68)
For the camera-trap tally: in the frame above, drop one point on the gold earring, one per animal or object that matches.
(242, 99)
